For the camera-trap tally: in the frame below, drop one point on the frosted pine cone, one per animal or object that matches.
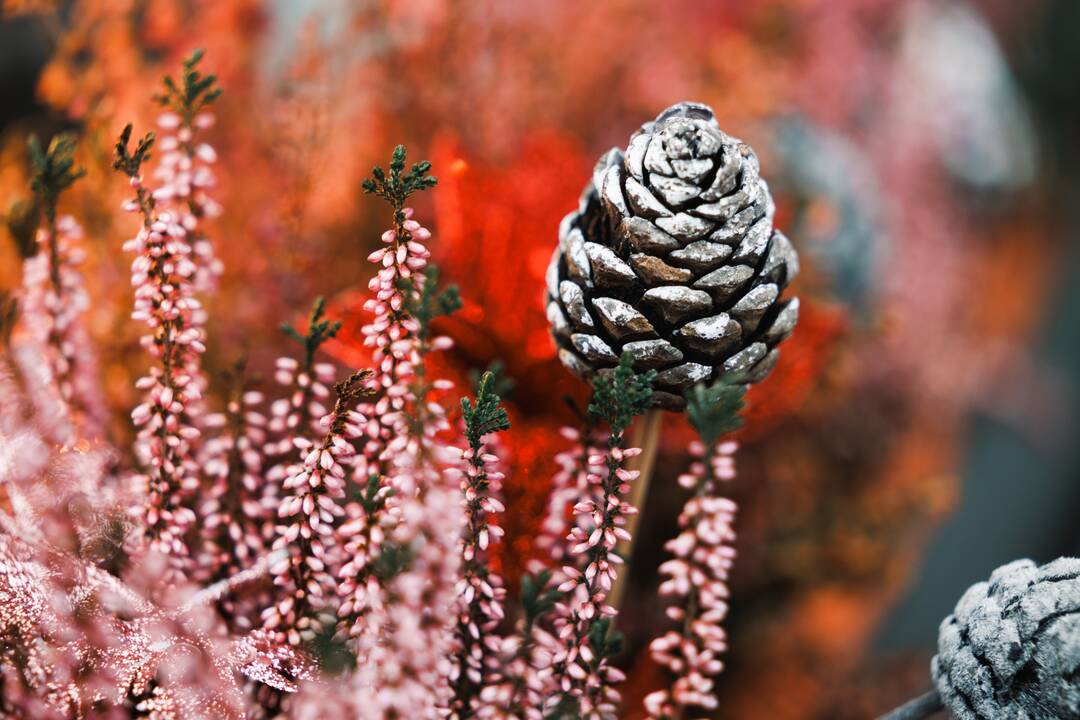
(672, 256)
(1011, 649)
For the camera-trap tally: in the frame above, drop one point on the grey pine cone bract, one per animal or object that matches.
(672, 255)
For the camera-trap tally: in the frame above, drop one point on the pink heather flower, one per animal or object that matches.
(589, 576)
(232, 513)
(569, 485)
(185, 172)
(695, 584)
(480, 590)
(54, 301)
(168, 417)
(392, 335)
(402, 630)
(307, 515)
(293, 417)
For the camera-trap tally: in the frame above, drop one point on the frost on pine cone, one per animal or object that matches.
(672, 255)
(1011, 648)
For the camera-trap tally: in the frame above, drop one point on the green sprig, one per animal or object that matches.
(130, 162)
(538, 596)
(486, 415)
(431, 302)
(192, 93)
(54, 170)
(371, 499)
(714, 410)
(396, 186)
(502, 384)
(621, 394)
(318, 332)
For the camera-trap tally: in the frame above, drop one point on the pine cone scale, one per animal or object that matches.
(672, 256)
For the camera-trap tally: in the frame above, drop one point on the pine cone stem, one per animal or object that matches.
(919, 708)
(645, 435)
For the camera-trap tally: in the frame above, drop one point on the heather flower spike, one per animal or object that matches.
(54, 298)
(480, 590)
(694, 581)
(585, 676)
(308, 513)
(164, 275)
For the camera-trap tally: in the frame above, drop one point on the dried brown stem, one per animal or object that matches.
(645, 435)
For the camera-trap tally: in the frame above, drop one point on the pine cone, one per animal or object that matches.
(1011, 649)
(672, 256)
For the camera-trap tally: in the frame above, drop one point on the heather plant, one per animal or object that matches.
(330, 543)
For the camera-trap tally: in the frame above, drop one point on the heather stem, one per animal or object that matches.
(918, 708)
(646, 436)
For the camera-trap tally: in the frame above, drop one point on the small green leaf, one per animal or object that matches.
(193, 93)
(318, 332)
(430, 302)
(502, 384)
(54, 170)
(130, 162)
(486, 415)
(714, 410)
(396, 187)
(621, 394)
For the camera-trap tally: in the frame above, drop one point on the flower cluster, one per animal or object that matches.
(53, 295)
(232, 514)
(162, 274)
(586, 677)
(382, 468)
(185, 169)
(308, 513)
(480, 589)
(397, 533)
(695, 583)
(695, 579)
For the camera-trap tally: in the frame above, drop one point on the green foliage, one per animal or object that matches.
(318, 332)
(194, 91)
(393, 559)
(537, 597)
(396, 186)
(370, 499)
(621, 394)
(714, 410)
(431, 302)
(604, 640)
(128, 162)
(54, 169)
(22, 222)
(501, 384)
(9, 314)
(486, 416)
